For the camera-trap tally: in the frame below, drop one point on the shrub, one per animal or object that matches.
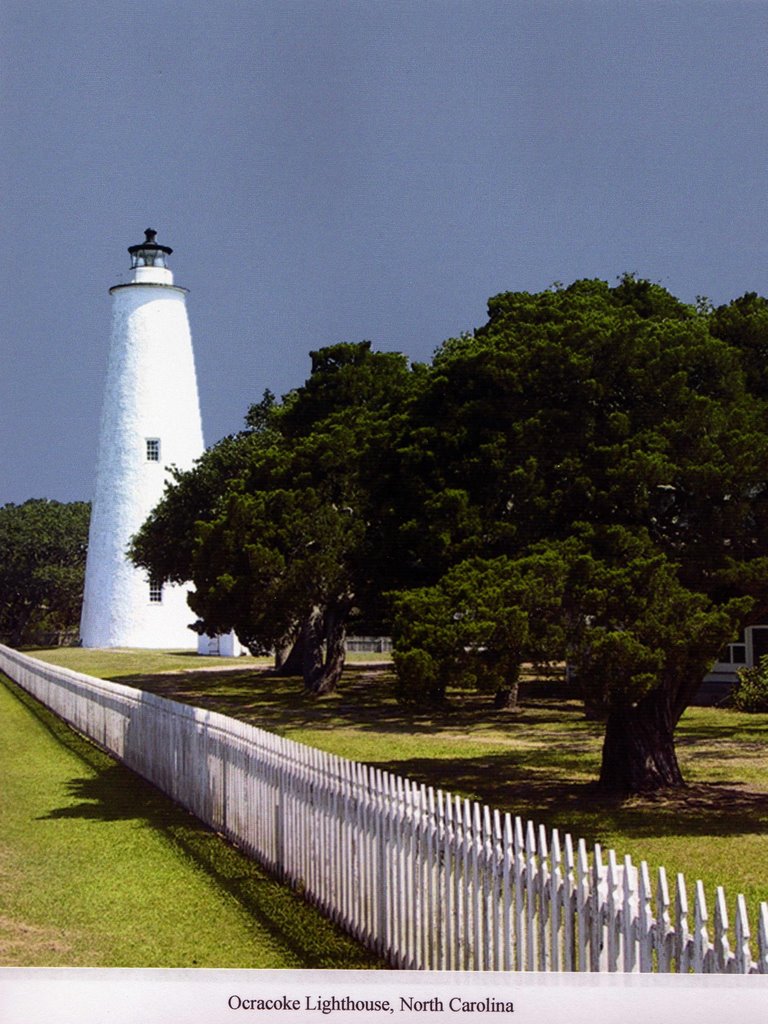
(751, 691)
(418, 678)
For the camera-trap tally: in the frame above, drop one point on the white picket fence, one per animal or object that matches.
(426, 879)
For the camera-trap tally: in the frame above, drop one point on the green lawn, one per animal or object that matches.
(540, 764)
(97, 868)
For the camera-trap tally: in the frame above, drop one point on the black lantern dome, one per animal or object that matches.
(148, 253)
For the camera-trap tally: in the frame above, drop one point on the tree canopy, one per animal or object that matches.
(583, 478)
(280, 527)
(42, 568)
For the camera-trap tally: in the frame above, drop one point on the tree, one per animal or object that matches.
(477, 626)
(640, 643)
(743, 324)
(616, 434)
(42, 567)
(275, 566)
(165, 545)
(582, 410)
(280, 527)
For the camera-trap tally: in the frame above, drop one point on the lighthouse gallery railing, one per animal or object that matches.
(427, 879)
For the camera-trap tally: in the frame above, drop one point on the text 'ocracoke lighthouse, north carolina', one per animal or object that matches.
(150, 421)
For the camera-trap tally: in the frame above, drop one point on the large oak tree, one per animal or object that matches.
(615, 426)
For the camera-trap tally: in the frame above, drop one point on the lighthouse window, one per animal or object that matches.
(155, 592)
(153, 449)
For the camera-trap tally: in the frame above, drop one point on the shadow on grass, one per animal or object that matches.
(114, 792)
(516, 783)
(689, 734)
(550, 786)
(365, 700)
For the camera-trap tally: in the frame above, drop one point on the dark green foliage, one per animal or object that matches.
(165, 546)
(42, 569)
(648, 299)
(585, 478)
(619, 429)
(281, 527)
(267, 559)
(568, 406)
(743, 323)
(751, 692)
(632, 628)
(477, 625)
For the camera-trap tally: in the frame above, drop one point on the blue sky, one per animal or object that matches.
(336, 171)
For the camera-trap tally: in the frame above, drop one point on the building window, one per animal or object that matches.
(153, 449)
(738, 654)
(155, 592)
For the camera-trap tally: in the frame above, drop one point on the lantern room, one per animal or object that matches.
(149, 253)
(149, 261)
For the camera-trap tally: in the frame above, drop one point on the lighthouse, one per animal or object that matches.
(150, 421)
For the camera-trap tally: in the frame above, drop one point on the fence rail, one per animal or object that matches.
(369, 644)
(427, 879)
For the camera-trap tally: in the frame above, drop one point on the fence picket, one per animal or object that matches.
(495, 935)
(507, 861)
(426, 879)
(401, 828)
(613, 914)
(683, 943)
(570, 959)
(383, 889)
(555, 902)
(583, 910)
(351, 872)
(467, 888)
(477, 960)
(416, 884)
(449, 944)
(520, 932)
(372, 826)
(542, 893)
(645, 925)
(460, 893)
(723, 953)
(531, 877)
(664, 944)
(701, 957)
(629, 930)
(743, 954)
(597, 913)
(762, 940)
(431, 931)
(407, 891)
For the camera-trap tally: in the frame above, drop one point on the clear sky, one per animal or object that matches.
(336, 171)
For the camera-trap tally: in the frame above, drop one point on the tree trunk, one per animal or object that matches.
(322, 669)
(312, 650)
(20, 623)
(289, 659)
(505, 698)
(336, 642)
(639, 748)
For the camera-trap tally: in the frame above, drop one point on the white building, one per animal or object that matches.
(745, 652)
(150, 421)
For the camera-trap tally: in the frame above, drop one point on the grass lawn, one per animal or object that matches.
(98, 869)
(540, 764)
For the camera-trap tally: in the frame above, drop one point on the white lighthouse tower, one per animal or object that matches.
(150, 420)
